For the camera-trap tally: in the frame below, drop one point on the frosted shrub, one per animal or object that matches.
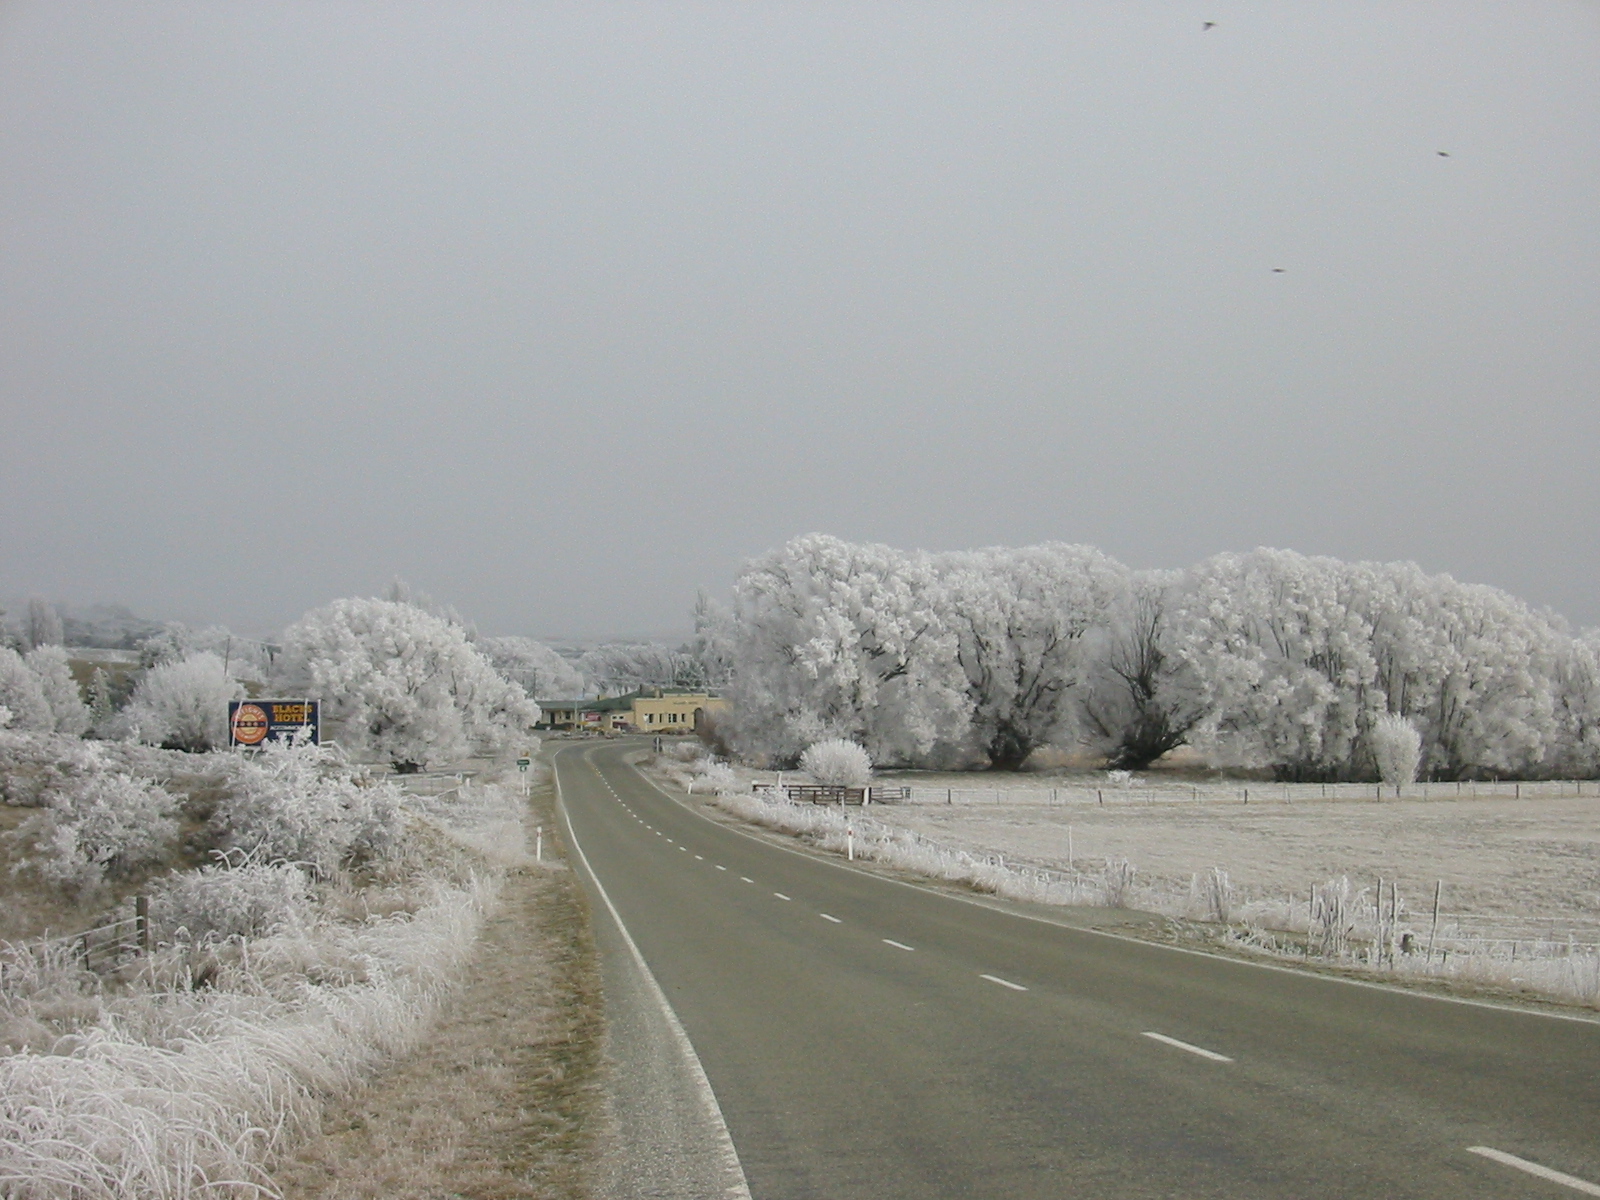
(717, 777)
(102, 825)
(294, 803)
(36, 766)
(23, 695)
(1397, 747)
(837, 763)
(228, 900)
(68, 712)
(1119, 883)
(183, 705)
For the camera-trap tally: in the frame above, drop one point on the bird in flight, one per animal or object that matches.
(1442, 153)
(1207, 25)
(1277, 270)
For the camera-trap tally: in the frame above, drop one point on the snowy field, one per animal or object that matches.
(1514, 867)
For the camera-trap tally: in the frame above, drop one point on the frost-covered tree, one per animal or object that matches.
(244, 658)
(102, 704)
(1472, 667)
(183, 704)
(403, 684)
(23, 695)
(538, 668)
(842, 640)
(837, 763)
(49, 663)
(1285, 657)
(1575, 698)
(1024, 620)
(625, 666)
(1145, 698)
(1396, 749)
(714, 638)
(42, 625)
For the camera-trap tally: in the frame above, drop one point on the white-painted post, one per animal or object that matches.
(538, 843)
(850, 843)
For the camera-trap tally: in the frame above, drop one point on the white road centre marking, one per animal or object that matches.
(1211, 1054)
(826, 917)
(780, 895)
(747, 879)
(685, 849)
(897, 945)
(701, 857)
(1015, 987)
(1533, 1168)
(720, 867)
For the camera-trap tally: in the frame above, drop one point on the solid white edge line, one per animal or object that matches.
(738, 1188)
(1015, 987)
(898, 945)
(1533, 1168)
(826, 917)
(981, 902)
(1202, 1052)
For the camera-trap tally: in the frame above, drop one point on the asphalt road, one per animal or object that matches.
(869, 1039)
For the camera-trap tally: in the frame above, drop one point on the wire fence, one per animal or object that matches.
(1235, 792)
(1336, 918)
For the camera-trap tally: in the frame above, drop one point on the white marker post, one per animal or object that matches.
(538, 843)
(850, 843)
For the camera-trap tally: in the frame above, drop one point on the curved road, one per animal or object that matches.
(865, 1038)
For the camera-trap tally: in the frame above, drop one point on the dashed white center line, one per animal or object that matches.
(1211, 1054)
(747, 879)
(1533, 1168)
(685, 849)
(897, 945)
(700, 857)
(1015, 987)
(826, 917)
(780, 895)
(720, 867)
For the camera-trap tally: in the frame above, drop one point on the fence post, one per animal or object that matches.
(1438, 887)
(141, 922)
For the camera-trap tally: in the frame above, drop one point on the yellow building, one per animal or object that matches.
(648, 710)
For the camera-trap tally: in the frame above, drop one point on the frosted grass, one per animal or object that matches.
(163, 1091)
(1345, 925)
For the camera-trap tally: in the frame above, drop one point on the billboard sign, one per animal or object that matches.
(251, 722)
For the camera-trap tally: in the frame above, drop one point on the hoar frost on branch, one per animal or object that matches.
(838, 640)
(1397, 749)
(403, 684)
(538, 669)
(1267, 660)
(1024, 622)
(183, 704)
(837, 763)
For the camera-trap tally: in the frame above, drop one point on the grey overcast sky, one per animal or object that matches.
(561, 311)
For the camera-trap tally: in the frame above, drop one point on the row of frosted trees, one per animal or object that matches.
(1264, 660)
